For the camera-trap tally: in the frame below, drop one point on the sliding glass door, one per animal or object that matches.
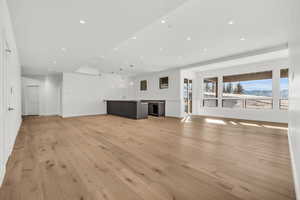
(188, 95)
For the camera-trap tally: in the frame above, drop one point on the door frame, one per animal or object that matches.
(189, 100)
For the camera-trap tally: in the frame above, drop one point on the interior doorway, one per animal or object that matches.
(188, 96)
(32, 100)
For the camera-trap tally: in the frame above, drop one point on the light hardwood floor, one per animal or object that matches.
(113, 158)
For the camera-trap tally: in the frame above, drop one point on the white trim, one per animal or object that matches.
(2, 173)
(294, 167)
(81, 115)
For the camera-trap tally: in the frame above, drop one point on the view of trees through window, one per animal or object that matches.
(210, 92)
(249, 90)
(253, 90)
(284, 89)
(211, 87)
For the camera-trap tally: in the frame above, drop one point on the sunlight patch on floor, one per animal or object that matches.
(249, 124)
(275, 127)
(215, 121)
(186, 119)
(233, 123)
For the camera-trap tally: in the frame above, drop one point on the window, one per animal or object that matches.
(253, 91)
(284, 89)
(143, 85)
(210, 92)
(164, 82)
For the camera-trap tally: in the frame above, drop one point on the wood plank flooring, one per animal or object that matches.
(113, 158)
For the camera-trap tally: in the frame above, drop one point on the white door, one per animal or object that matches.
(2, 133)
(8, 105)
(32, 100)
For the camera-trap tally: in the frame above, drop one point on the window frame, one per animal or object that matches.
(146, 86)
(216, 98)
(283, 99)
(244, 101)
(160, 82)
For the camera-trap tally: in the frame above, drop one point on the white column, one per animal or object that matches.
(200, 92)
(276, 88)
(220, 91)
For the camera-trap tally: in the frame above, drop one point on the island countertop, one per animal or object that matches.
(122, 100)
(134, 109)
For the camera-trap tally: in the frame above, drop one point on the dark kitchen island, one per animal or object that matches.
(128, 108)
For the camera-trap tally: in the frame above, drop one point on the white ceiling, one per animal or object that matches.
(129, 34)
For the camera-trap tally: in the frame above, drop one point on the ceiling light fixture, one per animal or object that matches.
(188, 38)
(231, 22)
(134, 38)
(163, 21)
(82, 21)
(242, 39)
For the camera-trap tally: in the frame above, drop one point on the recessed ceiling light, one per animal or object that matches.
(242, 39)
(82, 21)
(163, 21)
(134, 38)
(188, 38)
(231, 22)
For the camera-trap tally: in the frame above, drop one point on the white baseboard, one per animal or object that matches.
(49, 114)
(44, 114)
(294, 167)
(3, 167)
(82, 114)
(2, 174)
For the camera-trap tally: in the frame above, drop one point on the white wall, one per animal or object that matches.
(294, 118)
(273, 115)
(172, 95)
(84, 94)
(9, 121)
(49, 93)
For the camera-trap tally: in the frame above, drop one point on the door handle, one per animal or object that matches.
(10, 109)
